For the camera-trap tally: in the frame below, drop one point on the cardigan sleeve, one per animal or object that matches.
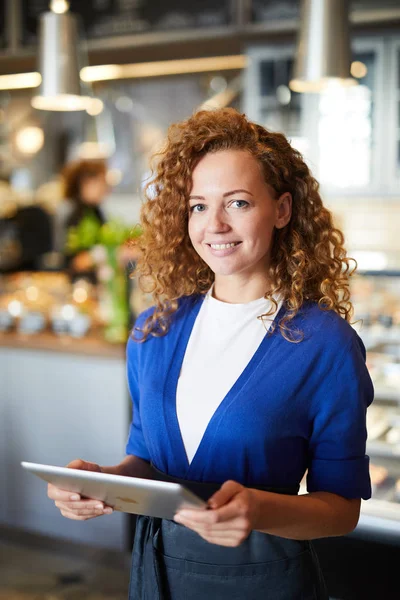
(337, 459)
(136, 443)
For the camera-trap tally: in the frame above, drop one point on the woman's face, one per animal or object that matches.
(93, 189)
(233, 213)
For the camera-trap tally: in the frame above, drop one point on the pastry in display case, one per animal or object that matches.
(31, 302)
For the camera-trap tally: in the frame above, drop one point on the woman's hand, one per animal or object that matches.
(72, 505)
(234, 510)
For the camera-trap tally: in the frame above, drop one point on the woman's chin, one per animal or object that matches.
(224, 271)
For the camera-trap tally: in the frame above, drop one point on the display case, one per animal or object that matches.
(376, 299)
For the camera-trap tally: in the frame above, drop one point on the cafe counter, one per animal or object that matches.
(60, 398)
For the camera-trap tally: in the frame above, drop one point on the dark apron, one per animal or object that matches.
(172, 562)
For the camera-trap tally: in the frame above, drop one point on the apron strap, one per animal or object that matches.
(151, 571)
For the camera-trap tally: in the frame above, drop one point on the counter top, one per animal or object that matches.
(92, 344)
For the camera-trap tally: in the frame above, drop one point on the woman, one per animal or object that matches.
(245, 375)
(85, 188)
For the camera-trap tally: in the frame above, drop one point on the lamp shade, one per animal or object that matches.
(59, 64)
(323, 48)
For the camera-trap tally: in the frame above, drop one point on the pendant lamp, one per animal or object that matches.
(61, 87)
(323, 56)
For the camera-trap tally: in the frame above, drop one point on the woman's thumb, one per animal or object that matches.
(83, 465)
(226, 492)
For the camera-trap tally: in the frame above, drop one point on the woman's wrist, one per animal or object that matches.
(260, 511)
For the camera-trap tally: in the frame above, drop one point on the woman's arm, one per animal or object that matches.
(305, 517)
(237, 510)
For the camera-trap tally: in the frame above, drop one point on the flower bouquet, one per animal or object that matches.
(105, 242)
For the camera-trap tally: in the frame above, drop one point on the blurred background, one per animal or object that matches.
(87, 92)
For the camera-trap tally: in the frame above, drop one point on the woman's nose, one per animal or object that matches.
(217, 221)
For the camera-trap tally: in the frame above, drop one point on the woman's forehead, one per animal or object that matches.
(237, 168)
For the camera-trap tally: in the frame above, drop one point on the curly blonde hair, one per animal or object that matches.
(308, 260)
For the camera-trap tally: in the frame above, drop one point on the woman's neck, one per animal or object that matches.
(239, 290)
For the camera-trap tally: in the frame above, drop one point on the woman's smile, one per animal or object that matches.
(223, 249)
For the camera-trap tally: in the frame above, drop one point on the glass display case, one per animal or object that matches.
(376, 299)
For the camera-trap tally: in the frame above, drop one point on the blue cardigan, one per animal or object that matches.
(296, 406)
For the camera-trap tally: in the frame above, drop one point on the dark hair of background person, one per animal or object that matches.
(308, 259)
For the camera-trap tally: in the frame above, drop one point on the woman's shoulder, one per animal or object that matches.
(327, 327)
(185, 305)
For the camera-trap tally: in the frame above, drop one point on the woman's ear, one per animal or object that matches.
(284, 210)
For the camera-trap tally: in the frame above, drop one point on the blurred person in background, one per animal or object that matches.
(85, 188)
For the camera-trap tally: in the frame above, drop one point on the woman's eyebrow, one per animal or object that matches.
(223, 195)
(236, 192)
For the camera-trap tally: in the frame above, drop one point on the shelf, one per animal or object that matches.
(92, 344)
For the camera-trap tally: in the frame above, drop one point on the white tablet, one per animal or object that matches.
(127, 494)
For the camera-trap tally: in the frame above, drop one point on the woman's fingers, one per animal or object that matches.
(71, 504)
(232, 538)
(218, 528)
(55, 493)
(225, 494)
(85, 509)
(78, 517)
(79, 505)
(228, 525)
(229, 512)
(86, 512)
(84, 465)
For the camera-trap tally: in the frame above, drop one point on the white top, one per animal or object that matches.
(223, 340)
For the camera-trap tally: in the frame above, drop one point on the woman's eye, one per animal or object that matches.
(197, 208)
(240, 203)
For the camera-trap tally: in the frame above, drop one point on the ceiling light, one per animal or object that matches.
(95, 107)
(323, 50)
(60, 89)
(358, 69)
(17, 81)
(29, 140)
(59, 6)
(163, 67)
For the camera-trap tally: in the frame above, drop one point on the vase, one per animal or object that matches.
(116, 288)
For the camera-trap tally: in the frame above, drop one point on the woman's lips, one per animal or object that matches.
(223, 251)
